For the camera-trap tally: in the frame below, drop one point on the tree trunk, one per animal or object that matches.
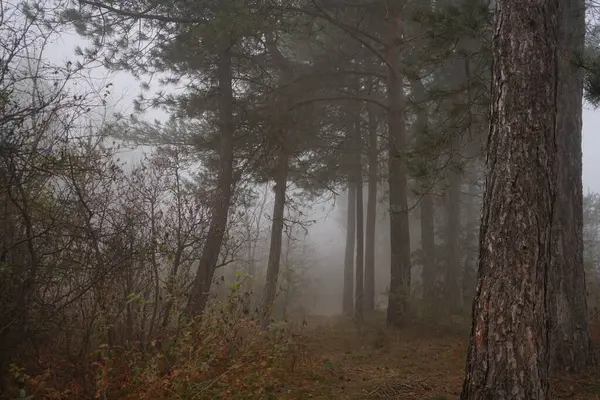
(287, 277)
(400, 263)
(508, 350)
(452, 277)
(426, 202)
(276, 238)
(369, 302)
(428, 248)
(359, 289)
(348, 304)
(218, 223)
(571, 348)
(469, 275)
(172, 278)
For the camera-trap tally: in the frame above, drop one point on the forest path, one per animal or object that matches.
(417, 363)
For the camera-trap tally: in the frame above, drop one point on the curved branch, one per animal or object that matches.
(142, 15)
(342, 97)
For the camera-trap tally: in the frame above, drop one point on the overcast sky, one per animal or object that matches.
(591, 149)
(126, 88)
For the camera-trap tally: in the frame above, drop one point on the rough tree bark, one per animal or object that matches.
(222, 197)
(348, 300)
(571, 348)
(276, 239)
(508, 350)
(369, 302)
(400, 263)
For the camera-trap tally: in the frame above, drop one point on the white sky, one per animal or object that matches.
(591, 148)
(126, 89)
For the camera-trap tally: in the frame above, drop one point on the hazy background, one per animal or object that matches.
(326, 238)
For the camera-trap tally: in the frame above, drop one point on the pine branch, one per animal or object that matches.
(142, 15)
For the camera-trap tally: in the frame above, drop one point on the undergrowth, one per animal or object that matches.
(225, 355)
(222, 355)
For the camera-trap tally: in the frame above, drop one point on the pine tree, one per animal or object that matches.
(508, 356)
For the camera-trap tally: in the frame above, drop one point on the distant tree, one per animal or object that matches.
(591, 251)
(359, 296)
(571, 347)
(372, 201)
(198, 43)
(348, 303)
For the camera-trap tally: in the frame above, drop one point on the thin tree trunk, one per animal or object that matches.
(287, 276)
(452, 277)
(156, 271)
(254, 243)
(426, 203)
(276, 238)
(571, 348)
(469, 275)
(129, 312)
(369, 302)
(428, 247)
(359, 288)
(508, 350)
(218, 224)
(171, 285)
(178, 252)
(400, 263)
(348, 299)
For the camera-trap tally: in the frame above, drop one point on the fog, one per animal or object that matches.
(326, 234)
(194, 194)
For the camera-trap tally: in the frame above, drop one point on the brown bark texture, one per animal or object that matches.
(571, 348)
(508, 351)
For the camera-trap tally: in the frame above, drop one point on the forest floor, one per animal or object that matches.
(419, 363)
(326, 358)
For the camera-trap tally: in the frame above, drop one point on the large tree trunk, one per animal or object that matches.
(222, 196)
(400, 263)
(508, 350)
(348, 300)
(276, 237)
(369, 302)
(452, 276)
(570, 342)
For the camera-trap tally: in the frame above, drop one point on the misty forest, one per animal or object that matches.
(298, 199)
